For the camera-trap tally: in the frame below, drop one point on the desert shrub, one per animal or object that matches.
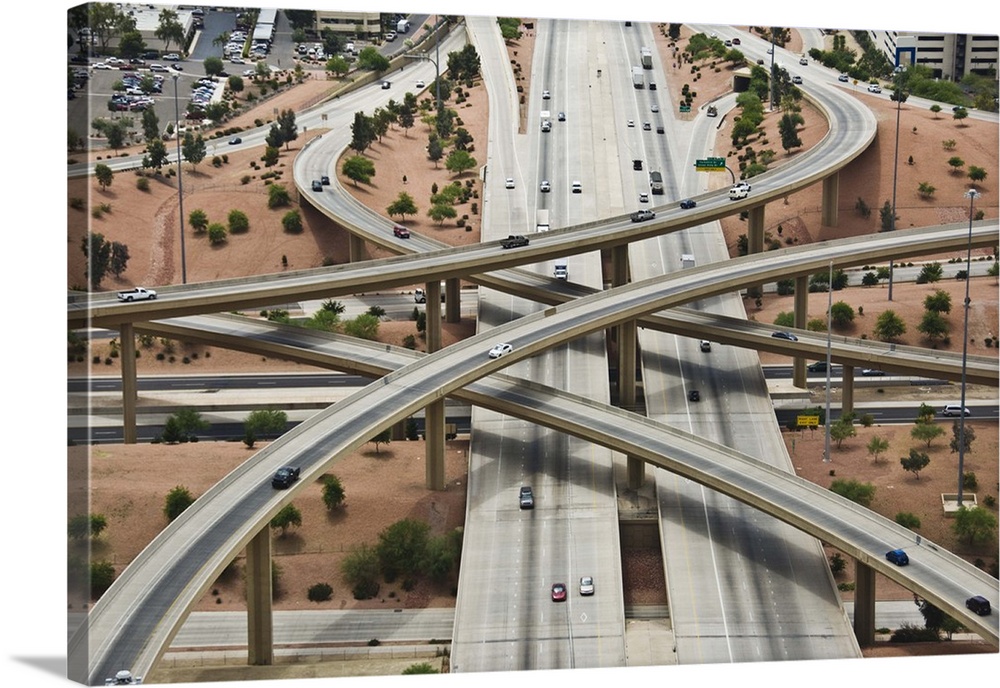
(908, 520)
(142, 183)
(911, 633)
(969, 480)
(321, 592)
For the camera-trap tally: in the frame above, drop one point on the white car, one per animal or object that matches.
(586, 585)
(796, 79)
(630, 123)
(545, 187)
(420, 83)
(644, 197)
(509, 183)
(803, 61)
(500, 350)
(546, 95)
(874, 88)
(843, 78)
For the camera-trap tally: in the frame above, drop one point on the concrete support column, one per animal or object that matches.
(434, 443)
(433, 310)
(356, 248)
(260, 622)
(828, 206)
(801, 309)
(130, 394)
(847, 390)
(627, 353)
(755, 241)
(434, 412)
(453, 300)
(864, 604)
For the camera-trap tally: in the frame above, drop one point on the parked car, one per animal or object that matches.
(526, 498)
(176, 67)
(500, 349)
(687, 204)
(979, 605)
(642, 215)
(558, 592)
(173, 57)
(897, 557)
(586, 585)
(785, 335)
(401, 232)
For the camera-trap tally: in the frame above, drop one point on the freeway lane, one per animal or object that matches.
(155, 591)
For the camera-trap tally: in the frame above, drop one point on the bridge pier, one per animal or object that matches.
(847, 390)
(452, 300)
(355, 248)
(627, 352)
(801, 311)
(260, 620)
(130, 394)
(755, 241)
(828, 206)
(434, 413)
(864, 604)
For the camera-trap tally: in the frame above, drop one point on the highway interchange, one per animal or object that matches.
(725, 622)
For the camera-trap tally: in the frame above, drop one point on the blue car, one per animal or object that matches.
(897, 557)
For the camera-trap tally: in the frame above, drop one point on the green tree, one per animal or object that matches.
(889, 326)
(464, 64)
(104, 175)
(869, 279)
(169, 30)
(235, 83)
(84, 526)
(216, 233)
(190, 421)
(785, 319)
(510, 28)
(177, 500)
(935, 108)
(459, 161)
(363, 133)
(930, 272)
(969, 436)
(150, 125)
(842, 314)
(939, 301)
(401, 548)
(402, 206)
(265, 423)
(933, 325)
(435, 151)
(97, 251)
(193, 148)
(360, 568)
(198, 219)
(213, 65)
(286, 124)
(959, 115)
(358, 168)
(877, 445)
(977, 174)
(926, 413)
(887, 218)
(915, 462)
(156, 154)
(338, 65)
(383, 437)
(238, 222)
(273, 138)
(119, 258)
(364, 326)
(292, 222)
(441, 212)
(788, 128)
(333, 491)
(102, 575)
(926, 432)
(286, 518)
(842, 429)
(277, 196)
(975, 525)
(370, 59)
(926, 190)
(860, 493)
(956, 163)
(131, 44)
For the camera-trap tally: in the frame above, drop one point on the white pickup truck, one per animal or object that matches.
(136, 294)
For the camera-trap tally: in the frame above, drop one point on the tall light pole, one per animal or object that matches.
(972, 195)
(180, 185)
(900, 97)
(829, 347)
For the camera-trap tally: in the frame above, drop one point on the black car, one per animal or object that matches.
(978, 604)
(236, 140)
(785, 335)
(687, 204)
(317, 185)
(284, 478)
(386, 85)
(694, 395)
(324, 180)
(817, 367)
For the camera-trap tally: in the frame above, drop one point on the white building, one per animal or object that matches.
(949, 56)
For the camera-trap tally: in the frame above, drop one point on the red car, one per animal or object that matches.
(401, 232)
(558, 592)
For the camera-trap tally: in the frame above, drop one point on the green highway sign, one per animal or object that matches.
(710, 164)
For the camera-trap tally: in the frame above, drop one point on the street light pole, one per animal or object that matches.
(180, 185)
(972, 195)
(829, 347)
